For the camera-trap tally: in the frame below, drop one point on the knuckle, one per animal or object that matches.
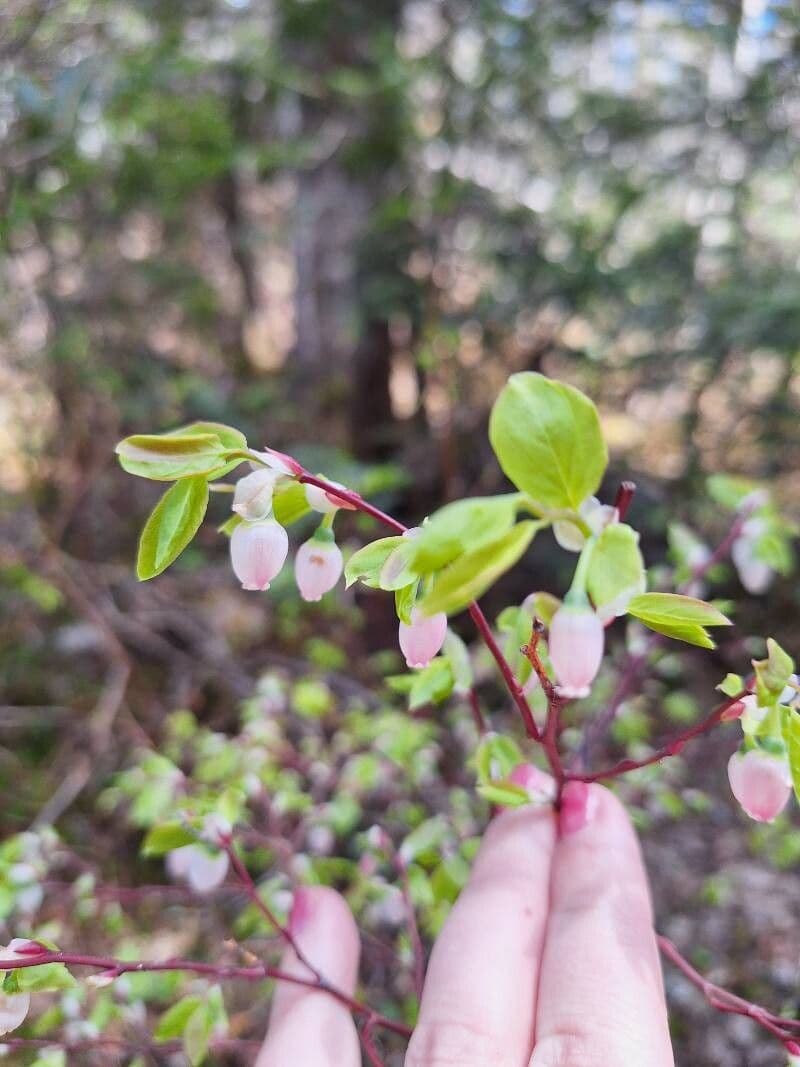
(450, 1043)
(569, 1048)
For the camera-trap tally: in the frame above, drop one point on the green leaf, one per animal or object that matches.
(474, 572)
(791, 735)
(616, 569)
(171, 526)
(230, 525)
(772, 673)
(496, 757)
(173, 1022)
(167, 457)
(504, 794)
(197, 1035)
(397, 570)
(289, 503)
(404, 600)
(47, 978)
(683, 618)
(431, 685)
(730, 491)
(166, 837)
(458, 656)
(464, 525)
(228, 435)
(731, 685)
(427, 836)
(547, 438)
(367, 563)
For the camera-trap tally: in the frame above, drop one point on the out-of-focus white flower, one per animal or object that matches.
(596, 515)
(258, 551)
(13, 1006)
(325, 502)
(575, 645)
(317, 568)
(423, 637)
(754, 573)
(761, 783)
(195, 864)
(252, 497)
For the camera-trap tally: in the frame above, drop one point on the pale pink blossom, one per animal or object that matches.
(13, 1006)
(760, 782)
(252, 497)
(576, 649)
(281, 462)
(325, 502)
(317, 568)
(423, 637)
(596, 516)
(258, 551)
(195, 864)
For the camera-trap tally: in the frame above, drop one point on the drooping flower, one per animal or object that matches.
(317, 568)
(760, 782)
(754, 573)
(258, 551)
(423, 637)
(252, 497)
(576, 648)
(13, 1006)
(281, 462)
(202, 869)
(596, 515)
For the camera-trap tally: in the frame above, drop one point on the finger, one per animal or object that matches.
(478, 1004)
(309, 1027)
(601, 999)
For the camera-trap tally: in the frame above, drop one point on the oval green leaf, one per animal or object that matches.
(171, 526)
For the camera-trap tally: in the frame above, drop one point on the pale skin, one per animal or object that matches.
(548, 958)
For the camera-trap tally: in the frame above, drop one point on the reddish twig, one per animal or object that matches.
(554, 704)
(623, 499)
(480, 620)
(786, 1030)
(111, 968)
(417, 946)
(671, 748)
(475, 708)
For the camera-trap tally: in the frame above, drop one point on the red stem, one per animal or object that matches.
(623, 499)
(475, 611)
(671, 748)
(722, 1000)
(114, 968)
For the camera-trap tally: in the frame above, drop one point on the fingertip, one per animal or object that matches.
(323, 926)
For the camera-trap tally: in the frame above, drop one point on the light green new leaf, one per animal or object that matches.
(47, 978)
(730, 491)
(168, 457)
(173, 1022)
(772, 673)
(229, 435)
(367, 563)
(197, 1035)
(171, 526)
(616, 569)
(684, 618)
(458, 527)
(547, 438)
(428, 835)
(504, 794)
(404, 600)
(474, 572)
(166, 837)
(456, 652)
(496, 757)
(431, 685)
(791, 735)
(731, 685)
(289, 503)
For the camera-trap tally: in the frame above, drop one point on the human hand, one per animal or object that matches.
(548, 958)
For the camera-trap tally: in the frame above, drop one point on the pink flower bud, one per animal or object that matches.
(258, 551)
(423, 637)
(317, 568)
(760, 782)
(325, 502)
(576, 649)
(252, 498)
(281, 462)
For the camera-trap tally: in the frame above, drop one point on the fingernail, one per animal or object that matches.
(302, 906)
(578, 806)
(538, 784)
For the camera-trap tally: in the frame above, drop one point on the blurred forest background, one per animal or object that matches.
(339, 225)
